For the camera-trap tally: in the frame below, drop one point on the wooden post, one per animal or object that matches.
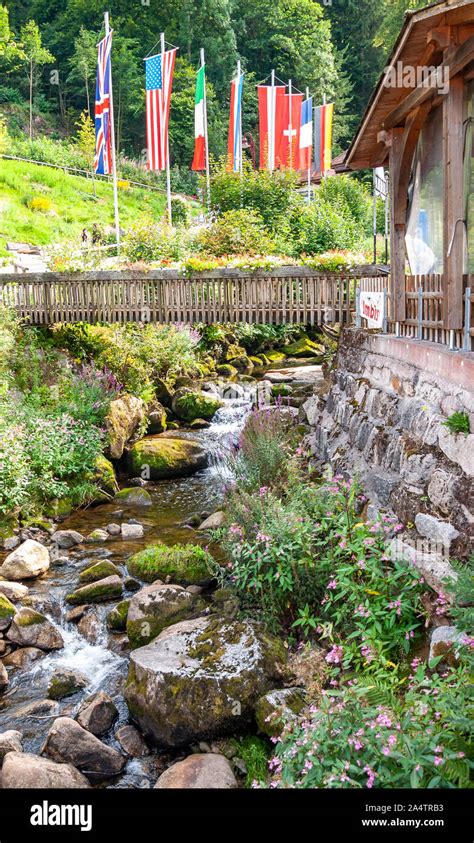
(397, 229)
(453, 205)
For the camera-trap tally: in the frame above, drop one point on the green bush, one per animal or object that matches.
(351, 197)
(458, 423)
(320, 227)
(179, 212)
(262, 458)
(236, 232)
(147, 241)
(270, 195)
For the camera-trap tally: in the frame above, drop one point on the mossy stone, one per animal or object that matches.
(154, 608)
(281, 389)
(99, 571)
(165, 456)
(58, 508)
(275, 709)
(105, 475)
(8, 525)
(257, 361)
(304, 347)
(117, 617)
(183, 563)
(226, 370)
(275, 356)
(64, 683)
(7, 609)
(96, 592)
(134, 496)
(189, 405)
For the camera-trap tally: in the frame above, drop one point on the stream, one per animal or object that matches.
(102, 656)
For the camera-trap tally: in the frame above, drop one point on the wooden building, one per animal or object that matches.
(419, 123)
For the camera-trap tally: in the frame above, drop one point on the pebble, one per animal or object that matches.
(113, 529)
(132, 531)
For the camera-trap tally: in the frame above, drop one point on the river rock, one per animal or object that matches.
(156, 418)
(98, 535)
(29, 560)
(117, 617)
(156, 607)
(11, 543)
(183, 563)
(10, 741)
(188, 404)
(7, 610)
(304, 347)
(164, 456)
(90, 626)
(200, 679)
(440, 532)
(113, 529)
(22, 770)
(98, 713)
(203, 771)
(13, 590)
(66, 539)
(131, 741)
(108, 588)
(23, 657)
(277, 708)
(32, 629)
(65, 683)
(134, 497)
(39, 709)
(214, 521)
(67, 741)
(132, 531)
(99, 571)
(4, 680)
(125, 415)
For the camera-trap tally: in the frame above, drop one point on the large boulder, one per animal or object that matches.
(304, 347)
(165, 456)
(67, 538)
(68, 742)
(108, 588)
(200, 678)
(32, 629)
(29, 560)
(125, 415)
(207, 770)
(13, 590)
(10, 741)
(187, 564)
(21, 770)
(154, 608)
(98, 713)
(65, 683)
(188, 404)
(99, 571)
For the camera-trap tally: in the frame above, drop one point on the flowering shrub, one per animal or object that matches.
(264, 446)
(351, 740)
(236, 232)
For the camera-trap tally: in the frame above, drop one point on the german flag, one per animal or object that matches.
(323, 137)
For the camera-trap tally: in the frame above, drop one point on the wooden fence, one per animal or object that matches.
(287, 294)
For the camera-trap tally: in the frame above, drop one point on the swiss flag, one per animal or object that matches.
(290, 149)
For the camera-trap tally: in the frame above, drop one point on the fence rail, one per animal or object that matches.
(287, 294)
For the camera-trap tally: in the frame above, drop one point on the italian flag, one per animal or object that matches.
(199, 160)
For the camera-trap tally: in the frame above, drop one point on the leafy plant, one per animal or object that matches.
(239, 232)
(457, 423)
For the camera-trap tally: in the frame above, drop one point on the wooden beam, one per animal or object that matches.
(456, 59)
(453, 205)
(397, 231)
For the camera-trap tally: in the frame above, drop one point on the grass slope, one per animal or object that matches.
(73, 204)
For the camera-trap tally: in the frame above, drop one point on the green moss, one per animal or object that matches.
(304, 347)
(58, 508)
(105, 475)
(64, 685)
(226, 370)
(183, 563)
(195, 405)
(95, 592)
(8, 525)
(281, 389)
(166, 457)
(257, 361)
(28, 617)
(134, 496)
(98, 571)
(7, 609)
(275, 356)
(117, 617)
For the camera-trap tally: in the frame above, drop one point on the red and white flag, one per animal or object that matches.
(271, 110)
(159, 80)
(290, 150)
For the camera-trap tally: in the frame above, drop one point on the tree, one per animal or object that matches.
(86, 136)
(36, 55)
(11, 54)
(391, 21)
(83, 62)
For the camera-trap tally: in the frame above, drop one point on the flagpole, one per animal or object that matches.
(239, 71)
(112, 141)
(168, 176)
(374, 178)
(271, 132)
(290, 127)
(208, 176)
(309, 157)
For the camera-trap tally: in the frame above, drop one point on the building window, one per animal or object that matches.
(469, 176)
(424, 233)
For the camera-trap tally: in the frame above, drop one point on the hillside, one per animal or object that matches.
(70, 204)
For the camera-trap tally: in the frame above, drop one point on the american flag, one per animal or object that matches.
(158, 95)
(103, 158)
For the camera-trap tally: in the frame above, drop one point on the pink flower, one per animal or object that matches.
(335, 655)
(332, 584)
(438, 760)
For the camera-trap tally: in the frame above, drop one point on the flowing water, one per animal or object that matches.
(101, 657)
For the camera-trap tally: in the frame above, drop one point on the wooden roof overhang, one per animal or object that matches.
(440, 33)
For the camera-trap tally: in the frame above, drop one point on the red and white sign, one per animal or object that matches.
(371, 306)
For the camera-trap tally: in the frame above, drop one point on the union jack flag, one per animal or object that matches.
(158, 96)
(103, 157)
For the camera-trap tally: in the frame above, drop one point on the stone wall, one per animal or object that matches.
(380, 416)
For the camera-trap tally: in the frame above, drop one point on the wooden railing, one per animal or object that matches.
(287, 294)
